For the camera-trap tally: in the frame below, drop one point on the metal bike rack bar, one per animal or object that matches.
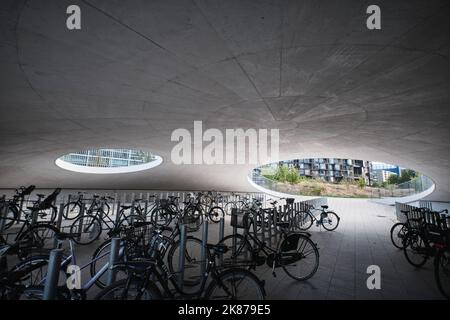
(51, 281)
(80, 225)
(181, 257)
(113, 258)
(3, 214)
(221, 228)
(117, 213)
(58, 222)
(204, 243)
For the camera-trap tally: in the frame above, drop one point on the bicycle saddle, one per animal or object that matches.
(125, 207)
(64, 235)
(324, 207)
(217, 248)
(283, 225)
(40, 195)
(138, 199)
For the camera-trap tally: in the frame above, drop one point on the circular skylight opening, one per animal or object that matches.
(334, 177)
(108, 161)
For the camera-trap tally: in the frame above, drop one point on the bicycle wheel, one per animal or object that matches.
(71, 210)
(229, 207)
(240, 251)
(192, 263)
(215, 214)
(160, 217)
(236, 284)
(89, 228)
(415, 249)
(33, 271)
(303, 220)
(12, 214)
(442, 271)
(331, 221)
(129, 290)
(299, 256)
(38, 238)
(99, 260)
(398, 232)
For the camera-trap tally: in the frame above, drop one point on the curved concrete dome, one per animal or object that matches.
(137, 70)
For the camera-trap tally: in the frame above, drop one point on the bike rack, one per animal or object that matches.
(113, 258)
(80, 225)
(204, 243)
(183, 236)
(51, 281)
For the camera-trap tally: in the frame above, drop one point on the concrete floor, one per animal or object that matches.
(362, 239)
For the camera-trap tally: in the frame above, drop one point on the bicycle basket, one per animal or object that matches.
(239, 219)
(192, 222)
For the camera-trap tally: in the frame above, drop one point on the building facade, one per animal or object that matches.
(333, 169)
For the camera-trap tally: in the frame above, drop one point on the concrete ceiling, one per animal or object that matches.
(137, 70)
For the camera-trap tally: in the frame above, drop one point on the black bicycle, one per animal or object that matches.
(295, 252)
(303, 220)
(228, 284)
(94, 221)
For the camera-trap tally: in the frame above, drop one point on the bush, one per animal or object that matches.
(361, 183)
(281, 173)
(293, 176)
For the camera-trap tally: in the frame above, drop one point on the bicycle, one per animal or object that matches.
(422, 239)
(292, 250)
(225, 284)
(303, 220)
(90, 225)
(14, 206)
(170, 249)
(34, 235)
(73, 209)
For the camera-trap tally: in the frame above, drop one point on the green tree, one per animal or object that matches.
(361, 183)
(392, 179)
(281, 173)
(293, 176)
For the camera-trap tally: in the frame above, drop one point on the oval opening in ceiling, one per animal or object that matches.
(108, 161)
(346, 178)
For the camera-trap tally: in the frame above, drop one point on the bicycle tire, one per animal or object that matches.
(215, 213)
(329, 226)
(234, 276)
(306, 240)
(12, 215)
(415, 247)
(94, 224)
(37, 238)
(171, 254)
(303, 220)
(442, 272)
(70, 208)
(395, 234)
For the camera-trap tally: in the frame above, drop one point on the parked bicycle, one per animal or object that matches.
(304, 219)
(295, 252)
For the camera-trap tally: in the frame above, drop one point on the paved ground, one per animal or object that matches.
(362, 239)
